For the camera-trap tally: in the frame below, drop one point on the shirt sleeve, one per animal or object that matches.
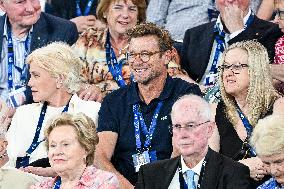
(107, 118)
(11, 138)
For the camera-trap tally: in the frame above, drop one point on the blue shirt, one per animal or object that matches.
(116, 115)
(270, 184)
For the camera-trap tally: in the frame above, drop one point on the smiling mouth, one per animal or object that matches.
(230, 81)
(140, 70)
(123, 23)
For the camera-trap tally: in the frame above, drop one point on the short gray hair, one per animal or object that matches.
(202, 107)
(267, 137)
(59, 59)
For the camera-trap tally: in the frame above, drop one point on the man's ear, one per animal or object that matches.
(167, 56)
(211, 127)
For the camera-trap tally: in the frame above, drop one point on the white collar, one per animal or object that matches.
(196, 169)
(220, 25)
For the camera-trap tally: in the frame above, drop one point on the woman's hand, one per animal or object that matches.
(257, 168)
(84, 22)
(91, 93)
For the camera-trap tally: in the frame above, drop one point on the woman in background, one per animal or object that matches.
(268, 142)
(247, 96)
(104, 50)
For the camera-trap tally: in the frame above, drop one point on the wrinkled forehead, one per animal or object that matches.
(279, 157)
(128, 2)
(186, 113)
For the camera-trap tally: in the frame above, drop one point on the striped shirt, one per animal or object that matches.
(19, 61)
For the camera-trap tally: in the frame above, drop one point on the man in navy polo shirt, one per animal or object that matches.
(134, 120)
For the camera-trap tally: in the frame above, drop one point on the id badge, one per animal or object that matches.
(140, 159)
(213, 94)
(210, 79)
(17, 96)
(22, 161)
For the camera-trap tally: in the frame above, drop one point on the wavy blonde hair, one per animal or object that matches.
(85, 129)
(58, 59)
(261, 93)
(267, 137)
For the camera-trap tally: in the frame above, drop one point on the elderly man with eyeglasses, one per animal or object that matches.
(198, 166)
(133, 120)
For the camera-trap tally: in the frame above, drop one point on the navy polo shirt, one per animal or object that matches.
(116, 115)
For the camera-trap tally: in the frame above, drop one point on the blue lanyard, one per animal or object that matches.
(220, 39)
(138, 118)
(248, 128)
(114, 67)
(87, 9)
(245, 121)
(57, 183)
(11, 63)
(35, 142)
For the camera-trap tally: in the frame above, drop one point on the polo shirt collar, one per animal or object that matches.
(134, 98)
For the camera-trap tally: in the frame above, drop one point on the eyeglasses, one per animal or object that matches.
(236, 68)
(178, 127)
(280, 14)
(144, 56)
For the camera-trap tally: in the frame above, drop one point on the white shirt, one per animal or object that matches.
(23, 126)
(197, 169)
(228, 37)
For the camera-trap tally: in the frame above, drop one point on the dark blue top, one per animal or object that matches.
(116, 115)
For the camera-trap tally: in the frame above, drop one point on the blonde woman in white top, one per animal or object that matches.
(55, 79)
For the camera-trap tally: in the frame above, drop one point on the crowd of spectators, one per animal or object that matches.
(146, 94)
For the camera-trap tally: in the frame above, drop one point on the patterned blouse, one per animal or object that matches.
(279, 59)
(92, 178)
(91, 49)
(270, 184)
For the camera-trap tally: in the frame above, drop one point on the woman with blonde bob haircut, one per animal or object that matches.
(247, 96)
(72, 156)
(268, 142)
(55, 80)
